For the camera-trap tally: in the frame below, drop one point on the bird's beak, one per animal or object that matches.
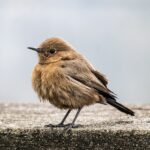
(36, 49)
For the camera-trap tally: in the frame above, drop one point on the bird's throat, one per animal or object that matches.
(49, 62)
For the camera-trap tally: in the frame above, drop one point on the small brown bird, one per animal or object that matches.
(67, 80)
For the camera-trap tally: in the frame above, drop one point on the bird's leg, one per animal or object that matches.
(61, 124)
(66, 115)
(71, 125)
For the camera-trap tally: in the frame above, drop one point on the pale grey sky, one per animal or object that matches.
(113, 34)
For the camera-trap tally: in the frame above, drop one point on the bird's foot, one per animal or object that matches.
(72, 125)
(69, 126)
(60, 125)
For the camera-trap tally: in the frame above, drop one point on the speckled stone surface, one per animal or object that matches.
(103, 127)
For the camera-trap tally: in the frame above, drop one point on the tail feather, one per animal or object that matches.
(120, 107)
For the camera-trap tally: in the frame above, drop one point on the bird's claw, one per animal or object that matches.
(69, 126)
(60, 125)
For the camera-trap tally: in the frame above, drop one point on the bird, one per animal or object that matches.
(67, 80)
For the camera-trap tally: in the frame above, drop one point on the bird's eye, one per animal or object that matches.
(52, 51)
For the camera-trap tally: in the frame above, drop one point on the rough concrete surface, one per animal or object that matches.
(103, 128)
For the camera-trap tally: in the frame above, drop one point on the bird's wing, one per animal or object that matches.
(83, 74)
(100, 76)
(70, 93)
(79, 94)
(96, 73)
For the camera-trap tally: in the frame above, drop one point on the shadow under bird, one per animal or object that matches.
(67, 80)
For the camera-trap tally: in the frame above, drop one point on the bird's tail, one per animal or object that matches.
(120, 106)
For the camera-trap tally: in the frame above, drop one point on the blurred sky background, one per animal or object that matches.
(113, 34)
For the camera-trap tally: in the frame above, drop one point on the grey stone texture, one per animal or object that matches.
(102, 128)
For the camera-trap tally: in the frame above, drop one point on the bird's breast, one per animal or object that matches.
(41, 81)
(46, 81)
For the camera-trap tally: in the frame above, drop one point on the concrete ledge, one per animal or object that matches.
(103, 127)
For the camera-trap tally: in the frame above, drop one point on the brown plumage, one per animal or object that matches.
(67, 80)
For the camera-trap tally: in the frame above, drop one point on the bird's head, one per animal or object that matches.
(53, 50)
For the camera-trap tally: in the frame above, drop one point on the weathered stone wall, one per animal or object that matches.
(103, 127)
